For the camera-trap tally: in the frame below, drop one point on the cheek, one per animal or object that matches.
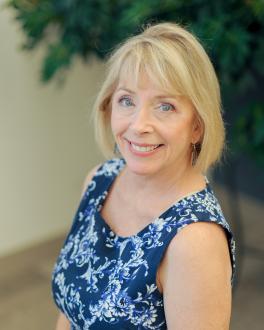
(114, 122)
(117, 122)
(178, 132)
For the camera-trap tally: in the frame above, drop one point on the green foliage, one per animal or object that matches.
(231, 30)
(248, 132)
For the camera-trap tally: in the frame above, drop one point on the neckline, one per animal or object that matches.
(144, 229)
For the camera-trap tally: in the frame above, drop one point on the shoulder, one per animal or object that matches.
(107, 168)
(196, 273)
(196, 238)
(89, 177)
(112, 166)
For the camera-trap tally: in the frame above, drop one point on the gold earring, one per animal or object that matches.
(194, 154)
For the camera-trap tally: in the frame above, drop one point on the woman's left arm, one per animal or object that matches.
(196, 279)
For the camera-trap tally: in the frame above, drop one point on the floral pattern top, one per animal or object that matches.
(105, 281)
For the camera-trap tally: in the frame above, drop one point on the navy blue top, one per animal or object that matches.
(104, 281)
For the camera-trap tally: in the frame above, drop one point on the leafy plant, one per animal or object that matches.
(248, 132)
(231, 30)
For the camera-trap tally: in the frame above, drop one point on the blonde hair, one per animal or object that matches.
(174, 58)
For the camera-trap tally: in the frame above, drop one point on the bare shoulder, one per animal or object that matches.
(89, 177)
(196, 278)
(202, 235)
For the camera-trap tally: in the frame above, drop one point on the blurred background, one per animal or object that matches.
(52, 63)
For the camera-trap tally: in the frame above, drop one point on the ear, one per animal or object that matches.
(197, 130)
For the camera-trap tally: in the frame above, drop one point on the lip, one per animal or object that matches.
(142, 144)
(143, 154)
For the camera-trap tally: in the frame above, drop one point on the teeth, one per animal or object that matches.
(144, 149)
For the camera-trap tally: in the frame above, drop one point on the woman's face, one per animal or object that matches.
(153, 130)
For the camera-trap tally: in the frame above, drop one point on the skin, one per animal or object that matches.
(141, 117)
(195, 277)
(62, 322)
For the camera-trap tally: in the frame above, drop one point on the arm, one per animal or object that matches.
(196, 279)
(62, 322)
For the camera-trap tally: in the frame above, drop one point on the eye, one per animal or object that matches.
(166, 107)
(125, 101)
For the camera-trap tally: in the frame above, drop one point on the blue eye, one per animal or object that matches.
(167, 107)
(125, 101)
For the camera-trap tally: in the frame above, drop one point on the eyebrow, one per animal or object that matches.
(155, 97)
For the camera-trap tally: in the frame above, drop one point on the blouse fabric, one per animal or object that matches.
(105, 281)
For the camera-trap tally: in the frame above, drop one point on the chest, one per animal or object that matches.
(124, 215)
(127, 219)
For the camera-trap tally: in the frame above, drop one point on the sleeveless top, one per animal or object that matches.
(105, 281)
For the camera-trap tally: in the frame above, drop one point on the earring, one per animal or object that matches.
(194, 154)
(116, 150)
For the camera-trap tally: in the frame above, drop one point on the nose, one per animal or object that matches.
(141, 121)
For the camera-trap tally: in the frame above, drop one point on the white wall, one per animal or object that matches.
(46, 142)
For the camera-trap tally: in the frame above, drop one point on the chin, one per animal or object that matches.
(139, 168)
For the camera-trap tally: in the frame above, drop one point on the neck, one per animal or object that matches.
(163, 183)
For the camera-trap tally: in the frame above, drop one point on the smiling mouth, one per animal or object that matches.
(143, 144)
(146, 148)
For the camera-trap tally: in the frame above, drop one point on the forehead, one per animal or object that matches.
(153, 92)
(144, 81)
(141, 69)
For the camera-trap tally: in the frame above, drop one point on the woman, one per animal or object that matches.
(149, 247)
